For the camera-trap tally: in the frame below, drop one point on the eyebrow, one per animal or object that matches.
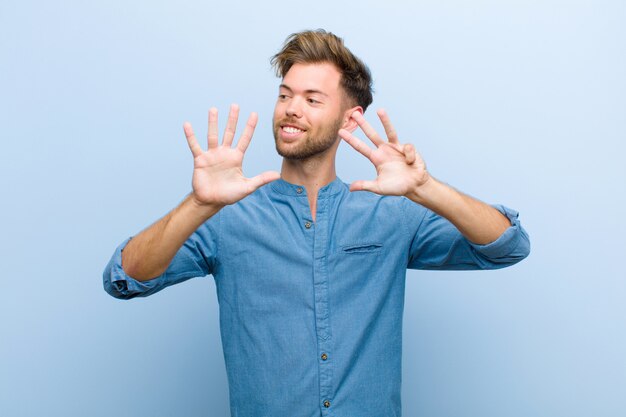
(309, 91)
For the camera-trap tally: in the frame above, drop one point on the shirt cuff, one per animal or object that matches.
(513, 243)
(118, 284)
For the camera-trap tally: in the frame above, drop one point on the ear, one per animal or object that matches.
(348, 121)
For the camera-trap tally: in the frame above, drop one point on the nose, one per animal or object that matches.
(294, 109)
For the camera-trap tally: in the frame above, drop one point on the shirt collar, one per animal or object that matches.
(283, 187)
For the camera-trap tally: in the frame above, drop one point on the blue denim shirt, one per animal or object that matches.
(311, 312)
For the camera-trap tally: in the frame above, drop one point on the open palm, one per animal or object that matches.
(217, 174)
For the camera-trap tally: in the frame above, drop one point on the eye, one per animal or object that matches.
(312, 101)
(282, 97)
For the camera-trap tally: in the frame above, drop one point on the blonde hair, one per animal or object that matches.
(317, 46)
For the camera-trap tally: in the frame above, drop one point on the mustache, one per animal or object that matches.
(290, 122)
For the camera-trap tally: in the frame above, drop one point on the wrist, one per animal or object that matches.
(201, 209)
(424, 193)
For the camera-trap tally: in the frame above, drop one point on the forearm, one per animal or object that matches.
(477, 221)
(149, 253)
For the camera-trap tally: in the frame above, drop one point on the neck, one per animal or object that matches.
(312, 173)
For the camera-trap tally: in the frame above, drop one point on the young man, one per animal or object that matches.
(310, 274)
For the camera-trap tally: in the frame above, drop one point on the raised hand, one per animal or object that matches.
(217, 175)
(400, 170)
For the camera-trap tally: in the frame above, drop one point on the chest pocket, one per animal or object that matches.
(367, 247)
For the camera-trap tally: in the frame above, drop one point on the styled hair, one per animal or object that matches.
(318, 46)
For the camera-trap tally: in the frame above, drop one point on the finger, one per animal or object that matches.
(420, 161)
(390, 131)
(367, 129)
(231, 125)
(212, 136)
(362, 185)
(191, 140)
(356, 143)
(409, 153)
(248, 131)
(262, 179)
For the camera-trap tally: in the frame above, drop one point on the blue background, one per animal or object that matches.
(518, 102)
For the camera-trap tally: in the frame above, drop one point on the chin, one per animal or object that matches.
(293, 154)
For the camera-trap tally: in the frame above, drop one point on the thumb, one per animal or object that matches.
(362, 185)
(409, 153)
(262, 179)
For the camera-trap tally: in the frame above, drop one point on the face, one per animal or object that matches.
(309, 111)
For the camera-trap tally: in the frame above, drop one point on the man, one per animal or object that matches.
(310, 274)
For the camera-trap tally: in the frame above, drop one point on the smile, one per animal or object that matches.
(291, 129)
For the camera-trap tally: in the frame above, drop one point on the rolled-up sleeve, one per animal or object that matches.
(512, 246)
(196, 258)
(438, 245)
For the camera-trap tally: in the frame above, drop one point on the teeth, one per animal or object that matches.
(290, 129)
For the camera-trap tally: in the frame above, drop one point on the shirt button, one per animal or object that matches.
(324, 356)
(326, 403)
(299, 190)
(307, 225)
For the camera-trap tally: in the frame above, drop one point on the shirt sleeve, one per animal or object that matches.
(438, 245)
(196, 258)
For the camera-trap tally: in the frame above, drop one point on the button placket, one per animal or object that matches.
(321, 295)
